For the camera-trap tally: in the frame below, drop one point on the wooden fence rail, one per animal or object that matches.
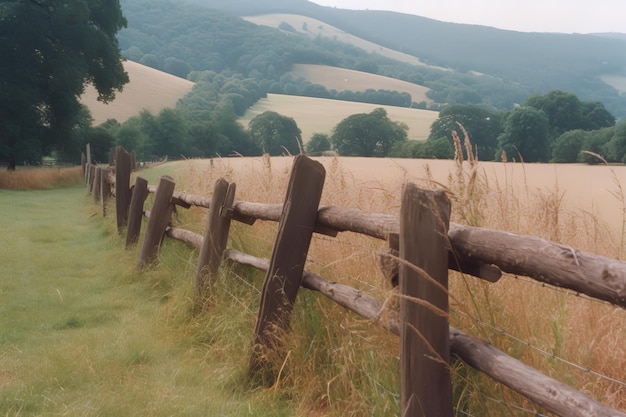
(477, 251)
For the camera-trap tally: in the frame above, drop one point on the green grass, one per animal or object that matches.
(84, 334)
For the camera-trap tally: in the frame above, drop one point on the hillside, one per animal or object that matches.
(344, 79)
(314, 28)
(148, 89)
(316, 115)
(523, 62)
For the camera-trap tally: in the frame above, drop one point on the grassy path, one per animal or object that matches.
(83, 334)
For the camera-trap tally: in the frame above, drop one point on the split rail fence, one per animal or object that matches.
(426, 245)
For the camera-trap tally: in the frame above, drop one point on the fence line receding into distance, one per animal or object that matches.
(426, 244)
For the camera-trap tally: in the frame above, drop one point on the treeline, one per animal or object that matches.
(555, 127)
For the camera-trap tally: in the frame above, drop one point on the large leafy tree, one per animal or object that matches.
(526, 135)
(50, 50)
(483, 127)
(368, 134)
(276, 134)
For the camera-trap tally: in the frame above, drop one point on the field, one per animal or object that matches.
(148, 89)
(317, 115)
(341, 79)
(316, 28)
(616, 81)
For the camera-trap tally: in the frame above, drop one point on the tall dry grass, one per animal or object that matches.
(40, 178)
(338, 364)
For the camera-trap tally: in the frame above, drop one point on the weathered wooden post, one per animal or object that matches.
(215, 236)
(97, 182)
(92, 174)
(426, 388)
(139, 195)
(158, 222)
(289, 254)
(122, 186)
(87, 162)
(105, 189)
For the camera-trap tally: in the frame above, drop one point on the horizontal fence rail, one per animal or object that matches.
(484, 253)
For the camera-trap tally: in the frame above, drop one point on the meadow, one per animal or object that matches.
(148, 89)
(340, 79)
(318, 115)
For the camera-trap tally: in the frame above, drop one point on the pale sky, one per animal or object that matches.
(565, 16)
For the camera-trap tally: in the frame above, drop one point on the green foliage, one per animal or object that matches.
(566, 112)
(49, 50)
(276, 134)
(483, 127)
(615, 148)
(525, 136)
(319, 143)
(368, 134)
(441, 148)
(567, 147)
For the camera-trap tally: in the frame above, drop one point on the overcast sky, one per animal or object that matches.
(566, 16)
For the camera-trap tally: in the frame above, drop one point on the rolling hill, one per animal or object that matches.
(317, 115)
(148, 89)
(344, 79)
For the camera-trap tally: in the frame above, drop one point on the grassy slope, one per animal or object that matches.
(317, 28)
(316, 115)
(341, 79)
(83, 334)
(148, 89)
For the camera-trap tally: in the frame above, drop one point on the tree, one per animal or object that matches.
(616, 147)
(50, 49)
(319, 142)
(368, 134)
(566, 148)
(276, 134)
(525, 135)
(483, 127)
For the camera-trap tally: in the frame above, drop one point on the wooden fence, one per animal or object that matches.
(423, 243)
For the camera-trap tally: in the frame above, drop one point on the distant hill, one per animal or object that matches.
(148, 89)
(314, 28)
(344, 79)
(537, 61)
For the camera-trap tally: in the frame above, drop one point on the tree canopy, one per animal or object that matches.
(368, 134)
(50, 49)
(276, 134)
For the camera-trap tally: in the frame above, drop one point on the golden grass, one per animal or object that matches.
(341, 79)
(148, 89)
(40, 178)
(339, 364)
(318, 115)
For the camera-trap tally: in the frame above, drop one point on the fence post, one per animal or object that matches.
(158, 222)
(282, 281)
(426, 388)
(105, 189)
(139, 195)
(215, 236)
(87, 162)
(122, 186)
(92, 174)
(97, 183)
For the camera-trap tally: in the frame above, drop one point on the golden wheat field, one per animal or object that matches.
(340, 79)
(547, 328)
(318, 115)
(148, 89)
